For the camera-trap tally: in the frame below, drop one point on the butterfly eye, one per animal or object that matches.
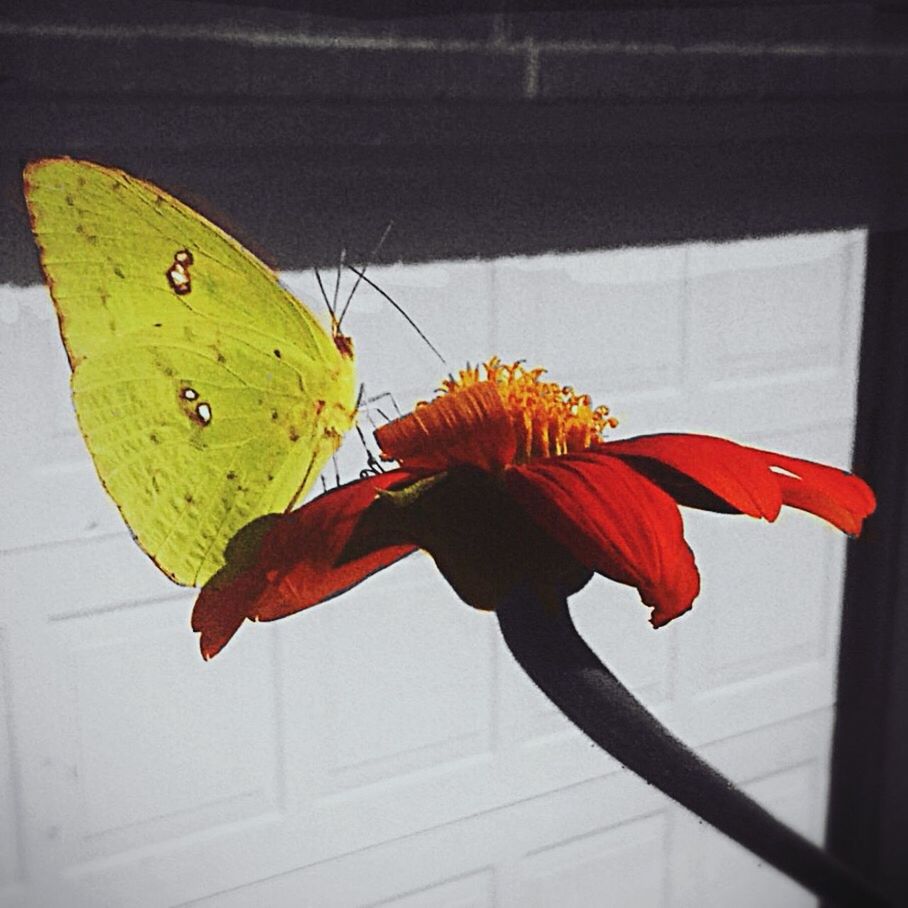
(178, 273)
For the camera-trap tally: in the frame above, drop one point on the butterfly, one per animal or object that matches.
(206, 393)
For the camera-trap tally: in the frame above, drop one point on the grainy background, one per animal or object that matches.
(383, 748)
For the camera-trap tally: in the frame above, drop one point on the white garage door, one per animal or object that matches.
(383, 748)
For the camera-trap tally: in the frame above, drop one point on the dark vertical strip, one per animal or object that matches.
(868, 803)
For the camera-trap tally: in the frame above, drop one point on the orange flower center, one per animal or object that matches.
(548, 419)
(492, 416)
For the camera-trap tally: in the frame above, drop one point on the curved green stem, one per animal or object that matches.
(540, 634)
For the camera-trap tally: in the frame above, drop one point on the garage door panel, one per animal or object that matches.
(625, 862)
(619, 327)
(93, 576)
(130, 707)
(10, 844)
(377, 648)
(751, 316)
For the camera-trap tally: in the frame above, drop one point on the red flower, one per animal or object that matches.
(506, 476)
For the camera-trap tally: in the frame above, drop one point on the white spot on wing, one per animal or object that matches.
(178, 274)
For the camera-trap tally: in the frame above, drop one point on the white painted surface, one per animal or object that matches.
(383, 749)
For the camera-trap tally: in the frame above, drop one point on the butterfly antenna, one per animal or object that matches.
(376, 249)
(400, 309)
(337, 475)
(340, 267)
(321, 286)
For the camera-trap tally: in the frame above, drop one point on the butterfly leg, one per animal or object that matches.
(382, 396)
(373, 464)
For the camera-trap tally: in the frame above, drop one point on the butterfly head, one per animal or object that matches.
(344, 344)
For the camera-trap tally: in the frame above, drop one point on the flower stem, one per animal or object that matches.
(543, 639)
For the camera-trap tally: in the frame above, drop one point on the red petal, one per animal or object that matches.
(798, 494)
(835, 495)
(296, 564)
(614, 521)
(737, 474)
(219, 612)
(744, 478)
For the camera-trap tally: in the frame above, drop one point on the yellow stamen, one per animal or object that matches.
(548, 419)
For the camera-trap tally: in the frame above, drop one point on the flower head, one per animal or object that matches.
(508, 416)
(506, 477)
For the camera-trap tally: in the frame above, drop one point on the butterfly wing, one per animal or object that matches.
(207, 394)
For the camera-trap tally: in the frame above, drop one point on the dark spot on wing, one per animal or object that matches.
(277, 353)
(221, 358)
(154, 439)
(70, 200)
(231, 475)
(118, 271)
(293, 435)
(274, 415)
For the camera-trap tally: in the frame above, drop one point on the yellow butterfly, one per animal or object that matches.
(206, 393)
